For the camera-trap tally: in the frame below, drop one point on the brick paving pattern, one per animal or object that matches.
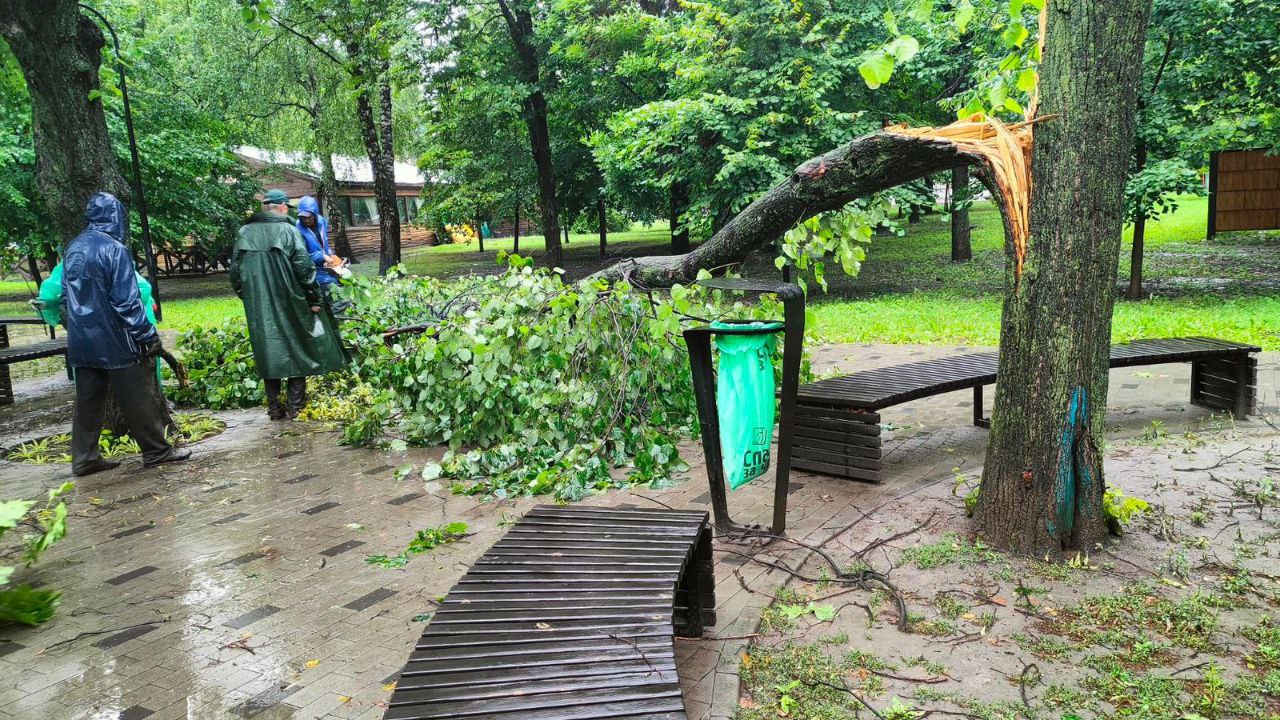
(235, 586)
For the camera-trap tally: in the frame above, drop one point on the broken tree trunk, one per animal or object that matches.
(828, 182)
(1042, 483)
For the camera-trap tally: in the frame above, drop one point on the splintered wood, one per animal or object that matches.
(1006, 149)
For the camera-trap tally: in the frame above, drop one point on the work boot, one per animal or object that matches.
(172, 455)
(275, 410)
(297, 396)
(96, 466)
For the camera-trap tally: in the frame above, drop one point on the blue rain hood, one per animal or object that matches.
(308, 204)
(105, 214)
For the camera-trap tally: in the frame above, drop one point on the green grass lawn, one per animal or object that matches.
(941, 318)
(909, 292)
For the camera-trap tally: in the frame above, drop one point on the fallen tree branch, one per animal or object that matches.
(857, 169)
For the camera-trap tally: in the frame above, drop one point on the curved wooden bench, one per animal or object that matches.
(22, 353)
(570, 616)
(838, 427)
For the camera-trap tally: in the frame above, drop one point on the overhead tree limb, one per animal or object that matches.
(857, 169)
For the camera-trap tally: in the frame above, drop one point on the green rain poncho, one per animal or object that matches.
(274, 276)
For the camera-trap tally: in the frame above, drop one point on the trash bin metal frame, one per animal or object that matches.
(698, 340)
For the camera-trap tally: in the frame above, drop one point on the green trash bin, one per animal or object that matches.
(734, 390)
(745, 399)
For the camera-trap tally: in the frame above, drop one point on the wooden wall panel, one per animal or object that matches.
(1244, 191)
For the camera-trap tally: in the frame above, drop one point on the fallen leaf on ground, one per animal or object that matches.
(311, 663)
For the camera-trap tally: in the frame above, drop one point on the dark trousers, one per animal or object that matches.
(295, 399)
(135, 391)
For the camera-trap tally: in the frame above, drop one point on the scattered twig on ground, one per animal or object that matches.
(1025, 678)
(896, 536)
(1190, 668)
(708, 638)
(844, 687)
(241, 644)
(1217, 464)
(1131, 563)
(1226, 527)
(90, 633)
(932, 680)
(654, 500)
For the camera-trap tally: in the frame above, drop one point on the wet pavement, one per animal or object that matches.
(235, 586)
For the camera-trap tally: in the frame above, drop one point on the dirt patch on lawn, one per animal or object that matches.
(1176, 620)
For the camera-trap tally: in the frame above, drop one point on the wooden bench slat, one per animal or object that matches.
(538, 671)
(636, 676)
(579, 705)
(518, 653)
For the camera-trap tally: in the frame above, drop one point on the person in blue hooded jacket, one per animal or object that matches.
(110, 342)
(315, 233)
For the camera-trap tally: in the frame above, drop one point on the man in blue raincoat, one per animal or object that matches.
(110, 342)
(315, 233)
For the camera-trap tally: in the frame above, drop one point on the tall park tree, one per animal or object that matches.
(518, 15)
(60, 50)
(361, 39)
(1043, 483)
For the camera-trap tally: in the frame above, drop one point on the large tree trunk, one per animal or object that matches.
(376, 132)
(1042, 483)
(59, 50)
(520, 24)
(1139, 232)
(333, 209)
(961, 231)
(866, 165)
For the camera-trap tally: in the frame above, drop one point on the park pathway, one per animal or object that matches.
(235, 586)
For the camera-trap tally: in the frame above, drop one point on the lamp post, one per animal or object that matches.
(138, 195)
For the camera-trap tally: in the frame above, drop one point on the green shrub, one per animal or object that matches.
(46, 525)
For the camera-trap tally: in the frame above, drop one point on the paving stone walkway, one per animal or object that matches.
(235, 586)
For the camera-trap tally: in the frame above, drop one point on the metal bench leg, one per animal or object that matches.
(979, 417)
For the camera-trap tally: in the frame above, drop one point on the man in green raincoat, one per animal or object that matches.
(292, 331)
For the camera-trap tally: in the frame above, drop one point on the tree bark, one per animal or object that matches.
(604, 225)
(679, 230)
(337, 222)
(868, 164)
(1139, 233)
(520, 25)
(59, 50)
(961, 231)
(1042, 483)
(376, 133)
